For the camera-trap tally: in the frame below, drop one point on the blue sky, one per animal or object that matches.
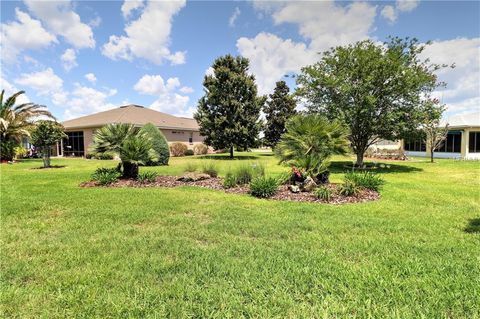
(80, 57)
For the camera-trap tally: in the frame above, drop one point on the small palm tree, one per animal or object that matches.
(310, 141)
(16, 121)
(132, 146)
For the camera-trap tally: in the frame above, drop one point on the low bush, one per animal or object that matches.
(200, 149)
(190, 167)
(159, 144)
(20, 152)
(323, 193)
(178, 149)
(245, 173)
(230, 180)
(349, 188)
(366, 180)
(210, 168)
(7, 150)
(189, 152)
(263, 187)
(147, 177)
(106, 176)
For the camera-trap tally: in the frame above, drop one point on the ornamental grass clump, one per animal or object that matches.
(210, 168)
(349, 188)
(106, 176)
(366, 180)
(323, 193)
(147, 177)
(263, 187)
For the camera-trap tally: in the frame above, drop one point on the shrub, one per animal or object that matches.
(7, 150)
(366, 180)
(145, 177)
(323, 193)
(230, 180)
(190, 167)
(106, 176)
(200, 149)
(159, 144)
(105, 156)
(20, 152)
(263, 187)
(189, 152)
(349, 188)
(178, 149)
(210, 168)
(246, 172)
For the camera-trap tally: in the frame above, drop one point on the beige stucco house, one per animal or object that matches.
(462, 142)
(80, 131)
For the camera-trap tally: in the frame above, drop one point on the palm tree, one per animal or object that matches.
(132, 146)
(16, 121)
(310, 141)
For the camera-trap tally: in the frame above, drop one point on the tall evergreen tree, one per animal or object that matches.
(278, 110)
(228, 113)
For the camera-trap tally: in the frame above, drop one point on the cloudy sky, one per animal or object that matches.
(80, 57)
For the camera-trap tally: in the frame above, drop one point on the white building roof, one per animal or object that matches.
(463, 120)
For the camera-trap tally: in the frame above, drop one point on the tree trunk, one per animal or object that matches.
(360, 158)
(46, 157)
(431, 155)
(231, 152)
(130, 170)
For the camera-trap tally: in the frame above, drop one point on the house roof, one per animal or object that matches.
(133, 114)
(464, 120)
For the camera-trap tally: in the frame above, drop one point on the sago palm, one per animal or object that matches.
(132, 146)
(17, 120)
(310, 141)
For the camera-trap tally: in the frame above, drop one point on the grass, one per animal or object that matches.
(190, 252)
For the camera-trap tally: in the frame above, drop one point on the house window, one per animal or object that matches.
(452, 144)
(73, 144)
(474, 142)
(190, 139)
(415, 146)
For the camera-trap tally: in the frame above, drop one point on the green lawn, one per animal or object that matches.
(71, 252)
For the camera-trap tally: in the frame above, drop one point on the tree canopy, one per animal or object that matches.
(278, 109)
(375, 89)
(228, 113)
(44, 136)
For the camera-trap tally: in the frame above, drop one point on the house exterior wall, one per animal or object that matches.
(172, 136)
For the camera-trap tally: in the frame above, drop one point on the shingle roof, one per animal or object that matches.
(133, 114)
(464, 120)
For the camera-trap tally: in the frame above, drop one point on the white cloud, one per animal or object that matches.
(69, 59)
(406, 5)
(95, 22)
(168, 100)
(148, 37)
(10, 89)
(463, 82)
(186, 90)
(131, 5)
(60, 18)
(24, 34)
(322, 24)
(210, 70)
(389, 13)
(44, 82)
(91, 77)
(233, 17)
(85, 100)
(272, 57)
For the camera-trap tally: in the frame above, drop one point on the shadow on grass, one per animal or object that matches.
(226, 157)
(342, 166)
(50, 167)
(473, 226)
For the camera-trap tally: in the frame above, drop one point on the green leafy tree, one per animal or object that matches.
(278, 110)
(374, 89)
(44, 136)
(131, 144)
(309, 142)
(228, 113)
(159, 144)
(16, 121)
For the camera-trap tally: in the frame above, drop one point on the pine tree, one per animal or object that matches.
(278, 110)
(228, 113)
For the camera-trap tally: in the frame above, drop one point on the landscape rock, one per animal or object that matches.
(193, 177)
(309, 185)
(294, 188)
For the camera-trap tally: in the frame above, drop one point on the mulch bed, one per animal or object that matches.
(216, 183)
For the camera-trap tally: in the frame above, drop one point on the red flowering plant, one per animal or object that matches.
(298, 174)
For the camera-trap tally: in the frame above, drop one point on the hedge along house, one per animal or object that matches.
(80, 131)
(462, 142)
